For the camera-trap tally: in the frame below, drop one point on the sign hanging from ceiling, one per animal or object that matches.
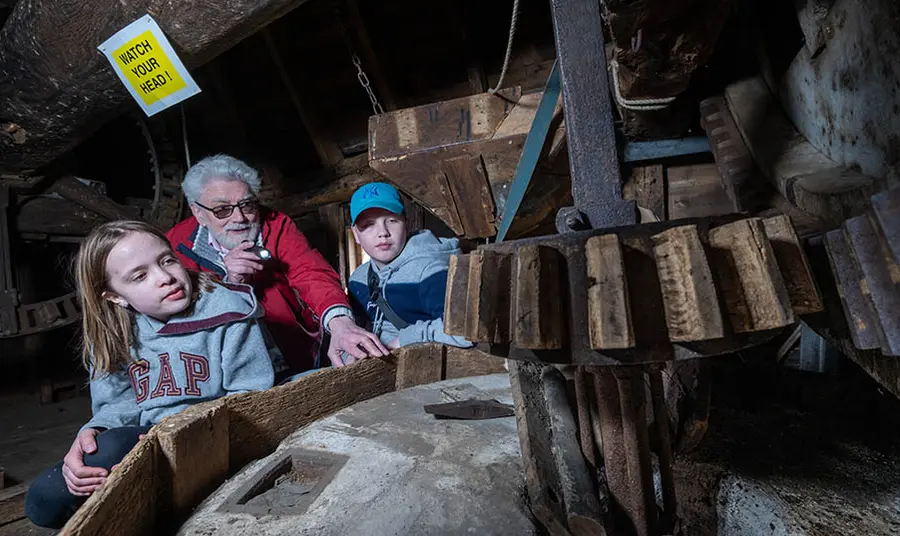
(144, 60)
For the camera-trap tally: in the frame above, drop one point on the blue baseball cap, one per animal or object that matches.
(375, 195)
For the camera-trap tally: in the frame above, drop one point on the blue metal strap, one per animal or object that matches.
(534, 143)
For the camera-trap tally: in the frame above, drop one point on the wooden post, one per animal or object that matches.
(8, 295)
(332, 217)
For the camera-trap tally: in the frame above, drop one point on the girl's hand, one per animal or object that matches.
(80, 479)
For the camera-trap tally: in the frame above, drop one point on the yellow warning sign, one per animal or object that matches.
(148, 66)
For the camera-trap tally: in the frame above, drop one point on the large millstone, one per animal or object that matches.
(384, 466)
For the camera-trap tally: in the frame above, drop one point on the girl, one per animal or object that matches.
(156, 340)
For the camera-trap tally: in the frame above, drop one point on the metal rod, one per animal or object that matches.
(641, 507)
(664, 453)
(585, 430)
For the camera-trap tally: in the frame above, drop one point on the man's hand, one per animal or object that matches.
(346, 336)
(80, 479)
(240, 264)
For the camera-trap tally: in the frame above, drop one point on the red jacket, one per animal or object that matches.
(296, 288)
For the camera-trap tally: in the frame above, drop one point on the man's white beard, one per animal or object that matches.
(230, 241)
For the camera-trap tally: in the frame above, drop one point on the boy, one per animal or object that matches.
(402, 287)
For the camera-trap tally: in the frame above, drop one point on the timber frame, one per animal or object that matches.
(150, 492)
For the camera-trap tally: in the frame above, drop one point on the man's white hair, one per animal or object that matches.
(220, 166)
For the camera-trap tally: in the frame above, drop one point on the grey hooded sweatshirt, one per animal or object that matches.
(414, 284)
(216, 349)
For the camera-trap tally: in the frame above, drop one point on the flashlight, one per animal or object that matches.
(260, 252)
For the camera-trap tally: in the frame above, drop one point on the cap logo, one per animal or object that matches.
(370, 191)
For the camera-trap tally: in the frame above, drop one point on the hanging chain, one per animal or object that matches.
(354, 57)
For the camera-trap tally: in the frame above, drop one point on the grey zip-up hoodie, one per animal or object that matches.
(217, 349)
(414, 284)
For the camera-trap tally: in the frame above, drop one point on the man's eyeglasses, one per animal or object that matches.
(249, 206)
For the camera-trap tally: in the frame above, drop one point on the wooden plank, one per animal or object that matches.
(466, 362)
(457, 295)
(696, 191)
(880, 282)
(472, 194)
(689, 296)
(420, 364)
(195, 445)
(261, 420)
(609, 311)
(12, 503)
(128, 503)
(801, 287)
(886, 208)
(89, 198)
(47, 215)
(487, 314)
(753, 292)
(646, 186)
(539, 314)
(847, 277)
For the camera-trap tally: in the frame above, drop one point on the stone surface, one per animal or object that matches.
(786, 473)
(406, 472)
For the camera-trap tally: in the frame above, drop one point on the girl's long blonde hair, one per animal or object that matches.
(109, 328)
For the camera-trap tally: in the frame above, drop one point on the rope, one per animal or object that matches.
(638, 105)
(509, 43)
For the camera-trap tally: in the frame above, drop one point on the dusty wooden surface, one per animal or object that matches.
(749, 277)
(608, 307)
(538, 320)
(689, 295)
(261, 420)
(58, 89)
(12, 503)
(420, 364)
(195, 445)
(127, 503)
(647, 186)
(411, 146)
(487, 315)
(696, 191)
(457, 295)
(801, 286)
(471, 193)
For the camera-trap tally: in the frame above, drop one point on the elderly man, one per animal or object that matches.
(230, 234)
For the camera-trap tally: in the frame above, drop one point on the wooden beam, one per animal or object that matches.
(335, 224)
(420, 364)
(472, 194)
(351, 174)
(42, 42)
(646, 186)
(46, 215)
(93, 200)
(327, 149)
